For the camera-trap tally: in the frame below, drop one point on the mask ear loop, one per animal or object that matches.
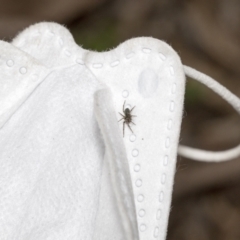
(203, 155)
(116, 157)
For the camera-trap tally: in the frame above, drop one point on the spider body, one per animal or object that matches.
(127, 117)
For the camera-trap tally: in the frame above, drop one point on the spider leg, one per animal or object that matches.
(133, 123)
(124, 127)
(120, 119)
(129, 127)
(132, 108)
(124, 105)
(121, 115)
(133, 115)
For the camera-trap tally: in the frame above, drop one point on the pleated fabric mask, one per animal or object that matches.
(89, 140)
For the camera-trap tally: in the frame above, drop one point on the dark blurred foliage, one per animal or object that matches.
(206, 35)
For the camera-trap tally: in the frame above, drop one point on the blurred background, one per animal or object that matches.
(206, 35)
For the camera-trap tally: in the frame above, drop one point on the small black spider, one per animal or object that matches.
(127, 117)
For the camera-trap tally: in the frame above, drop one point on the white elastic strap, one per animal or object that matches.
(116, 156)
(202, 155)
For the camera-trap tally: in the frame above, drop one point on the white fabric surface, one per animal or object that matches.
(151, 74)
(51, 160)
(61, 177)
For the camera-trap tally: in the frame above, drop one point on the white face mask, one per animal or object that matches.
(68, 170)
